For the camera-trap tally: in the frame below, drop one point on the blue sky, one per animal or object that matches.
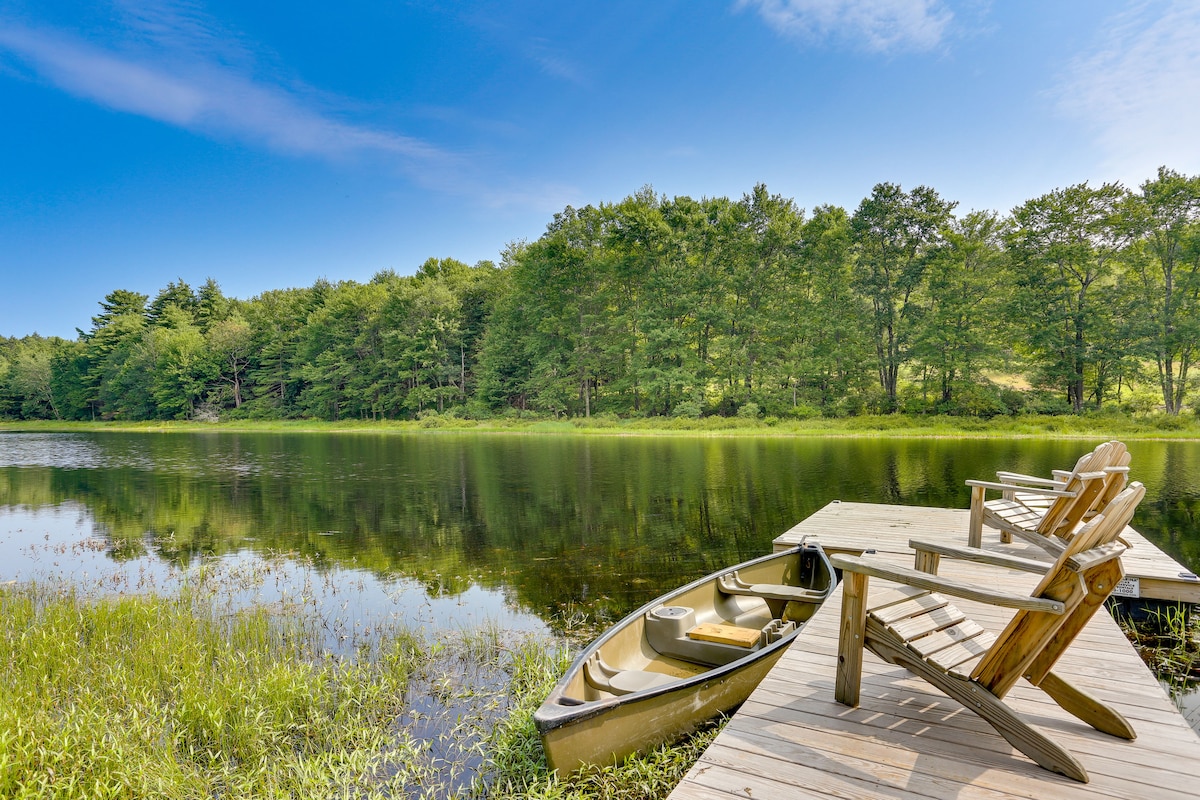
(267, 145)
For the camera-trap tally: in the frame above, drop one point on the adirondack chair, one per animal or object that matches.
(1116, 472)
(1072, 499)
(915, 627)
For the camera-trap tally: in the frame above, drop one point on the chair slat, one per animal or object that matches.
(926, 623)
(909, 608)
(963, 670)
(960, 653)
(947, 637)
(884, 597)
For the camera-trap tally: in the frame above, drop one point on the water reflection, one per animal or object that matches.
(64, 544)
(544, 526)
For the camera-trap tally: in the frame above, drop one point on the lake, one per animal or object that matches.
(526, 530)
(445, 532)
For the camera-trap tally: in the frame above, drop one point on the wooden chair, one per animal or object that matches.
(915, 627)
(1116, 476)
(1067, 500)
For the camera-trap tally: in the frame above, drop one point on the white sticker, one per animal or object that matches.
(1129, 587)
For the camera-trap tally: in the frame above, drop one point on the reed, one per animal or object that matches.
(151, 697)
(1168, 640)
(189, 695)
(517, 768)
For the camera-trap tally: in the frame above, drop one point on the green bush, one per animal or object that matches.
(749, 411)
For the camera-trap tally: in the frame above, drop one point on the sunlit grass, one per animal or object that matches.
(182, 696)
(518, 767)
(153, 697)
(1090, 425)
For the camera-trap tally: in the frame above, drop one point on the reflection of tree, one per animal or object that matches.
(560, 524)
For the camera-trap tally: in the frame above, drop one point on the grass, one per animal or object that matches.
(1168, 640)
(154, 697)
(518, 768)
(141, 696)
(1106, 424)
(181, 697)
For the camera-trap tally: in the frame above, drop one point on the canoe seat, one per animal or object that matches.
(725, 634)
(730, 583)
(600, 675)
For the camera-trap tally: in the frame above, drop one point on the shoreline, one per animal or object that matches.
(1155, 428)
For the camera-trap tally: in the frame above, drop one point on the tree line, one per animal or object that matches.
(657, 306)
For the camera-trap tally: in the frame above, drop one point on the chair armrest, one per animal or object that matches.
(1096, 556)
(981, 556)
(1012, 487)
(923, 580)
(1016, 477)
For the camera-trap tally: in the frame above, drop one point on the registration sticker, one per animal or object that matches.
(1128, 587)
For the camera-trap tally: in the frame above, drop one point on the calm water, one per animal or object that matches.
(445, 532)
(448, 529)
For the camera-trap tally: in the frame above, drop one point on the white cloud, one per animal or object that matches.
(878, 25)
(177, 76)
(1139, 90)
(552, 62)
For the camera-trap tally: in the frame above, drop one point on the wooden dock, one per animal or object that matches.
(906, 739)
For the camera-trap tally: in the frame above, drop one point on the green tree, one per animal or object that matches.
(761, 263)
(894, 233)
(182, 367)
(212, 306)
(277, 319)
(577, 318)
(30, 378)
(69, 367)
(177, 294)
(829, 347)
(955, 336)
(1065, 243)
(230, 344)
(1165, 265)
(339, 346)
(114, 385)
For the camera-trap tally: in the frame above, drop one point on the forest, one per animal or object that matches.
(1083, 298)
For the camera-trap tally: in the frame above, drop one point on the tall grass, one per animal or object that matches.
(1168, 640)
(145, 697)
(517, 766)
(148, 696)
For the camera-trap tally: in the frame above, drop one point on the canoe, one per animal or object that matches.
(682, 659)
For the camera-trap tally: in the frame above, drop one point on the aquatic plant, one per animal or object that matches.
(159, 697)
(1168, 640)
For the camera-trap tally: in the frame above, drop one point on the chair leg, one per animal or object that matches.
(851, 638)
(975, 527)
(1036, 745)
(1085, 707)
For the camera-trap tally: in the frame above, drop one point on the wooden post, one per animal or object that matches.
(927, 561)
(851, 639)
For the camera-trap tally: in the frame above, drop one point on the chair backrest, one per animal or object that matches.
(1085, 484)
(1118, 475)
(1029, 633)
